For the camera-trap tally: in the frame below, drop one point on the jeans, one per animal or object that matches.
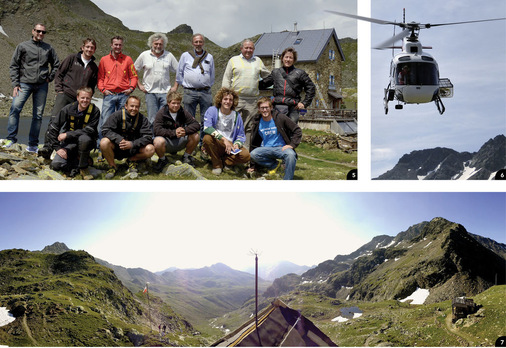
(39, 94)
(290, 111)
(112, 103)
(193, 98)
(154, 102)
(268, 157)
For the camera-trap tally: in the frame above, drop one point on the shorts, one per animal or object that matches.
(176, 144)
(120, 154)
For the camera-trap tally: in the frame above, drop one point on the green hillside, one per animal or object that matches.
(199, 295)
(70, 300)
(395, 324)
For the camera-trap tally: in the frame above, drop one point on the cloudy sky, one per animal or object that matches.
(156, 231)
(227, 22)
(472, 56)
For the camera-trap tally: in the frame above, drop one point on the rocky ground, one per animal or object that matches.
(18, 164)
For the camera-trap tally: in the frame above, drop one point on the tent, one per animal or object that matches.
(278, 326)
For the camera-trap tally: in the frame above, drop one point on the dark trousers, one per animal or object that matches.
(78, 154)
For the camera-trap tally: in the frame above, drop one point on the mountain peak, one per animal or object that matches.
(55, 248)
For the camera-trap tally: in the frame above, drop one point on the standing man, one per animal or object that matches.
(275, 137)
(127, 135)
(157, 64)
(196, 74)
(242, 74)
(76, 71)
(30, 75)
(117, 78)
(77, 137)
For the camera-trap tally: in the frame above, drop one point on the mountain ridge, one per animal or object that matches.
(447, 164)
(439, 254)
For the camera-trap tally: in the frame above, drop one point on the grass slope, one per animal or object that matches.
(392, 323)
(70, 300)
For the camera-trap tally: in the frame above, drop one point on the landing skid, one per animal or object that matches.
(389, 96)
(440, 105)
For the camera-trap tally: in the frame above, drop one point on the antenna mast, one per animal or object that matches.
(253, 252)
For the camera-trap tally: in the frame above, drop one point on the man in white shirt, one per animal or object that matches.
(196, 74)
(242, 75)
(157, 64)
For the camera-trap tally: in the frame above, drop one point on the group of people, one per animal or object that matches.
(238, 129)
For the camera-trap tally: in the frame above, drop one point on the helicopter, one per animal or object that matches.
(414, 74)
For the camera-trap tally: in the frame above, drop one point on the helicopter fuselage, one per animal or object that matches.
(414, 77)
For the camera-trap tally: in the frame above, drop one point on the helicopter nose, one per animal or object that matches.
(419, 94)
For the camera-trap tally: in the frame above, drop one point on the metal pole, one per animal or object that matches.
(256, 291)
(149, 308)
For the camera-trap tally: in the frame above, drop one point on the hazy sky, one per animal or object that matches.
(156, 231)
(472, 56)
(227, 22)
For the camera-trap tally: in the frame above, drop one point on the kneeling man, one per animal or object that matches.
(74, 135)
(224, 132)
(175, 129)
(274, 137)
(126, 134)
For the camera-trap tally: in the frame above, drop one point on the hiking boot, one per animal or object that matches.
(158, 166)
(85, 173)
(273, 171)
(73, 172)
(45, 152)
(188, 159)
(216, 171)
(110, 173)
(203, 155)
(32, 149)
(100, 158)
(7, 144)
(132, 167)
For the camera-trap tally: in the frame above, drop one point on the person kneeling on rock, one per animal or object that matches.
(127, 134)
(77, 136)
(175, 129)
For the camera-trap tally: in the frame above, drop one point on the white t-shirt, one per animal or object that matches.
(225, 124)
(85, 61)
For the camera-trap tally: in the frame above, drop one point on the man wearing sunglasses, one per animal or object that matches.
(33, 66)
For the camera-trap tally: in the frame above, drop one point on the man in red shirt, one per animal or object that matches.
(117, 78)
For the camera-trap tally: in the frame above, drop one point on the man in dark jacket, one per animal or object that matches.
(175, 129)
(275, 136)
(30, 75)
(77, 137)
(77, 70)
(126, 134)
(288, 83)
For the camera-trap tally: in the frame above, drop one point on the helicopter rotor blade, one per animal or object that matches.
(428, 25)
(367, 19)
(388, 43)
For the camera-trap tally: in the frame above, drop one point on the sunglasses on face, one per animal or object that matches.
(40, 31)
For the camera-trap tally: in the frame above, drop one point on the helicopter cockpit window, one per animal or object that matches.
(418, 73)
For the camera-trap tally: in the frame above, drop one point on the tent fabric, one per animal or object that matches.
(278, 326)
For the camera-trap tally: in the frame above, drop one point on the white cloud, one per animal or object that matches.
(228, 22)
